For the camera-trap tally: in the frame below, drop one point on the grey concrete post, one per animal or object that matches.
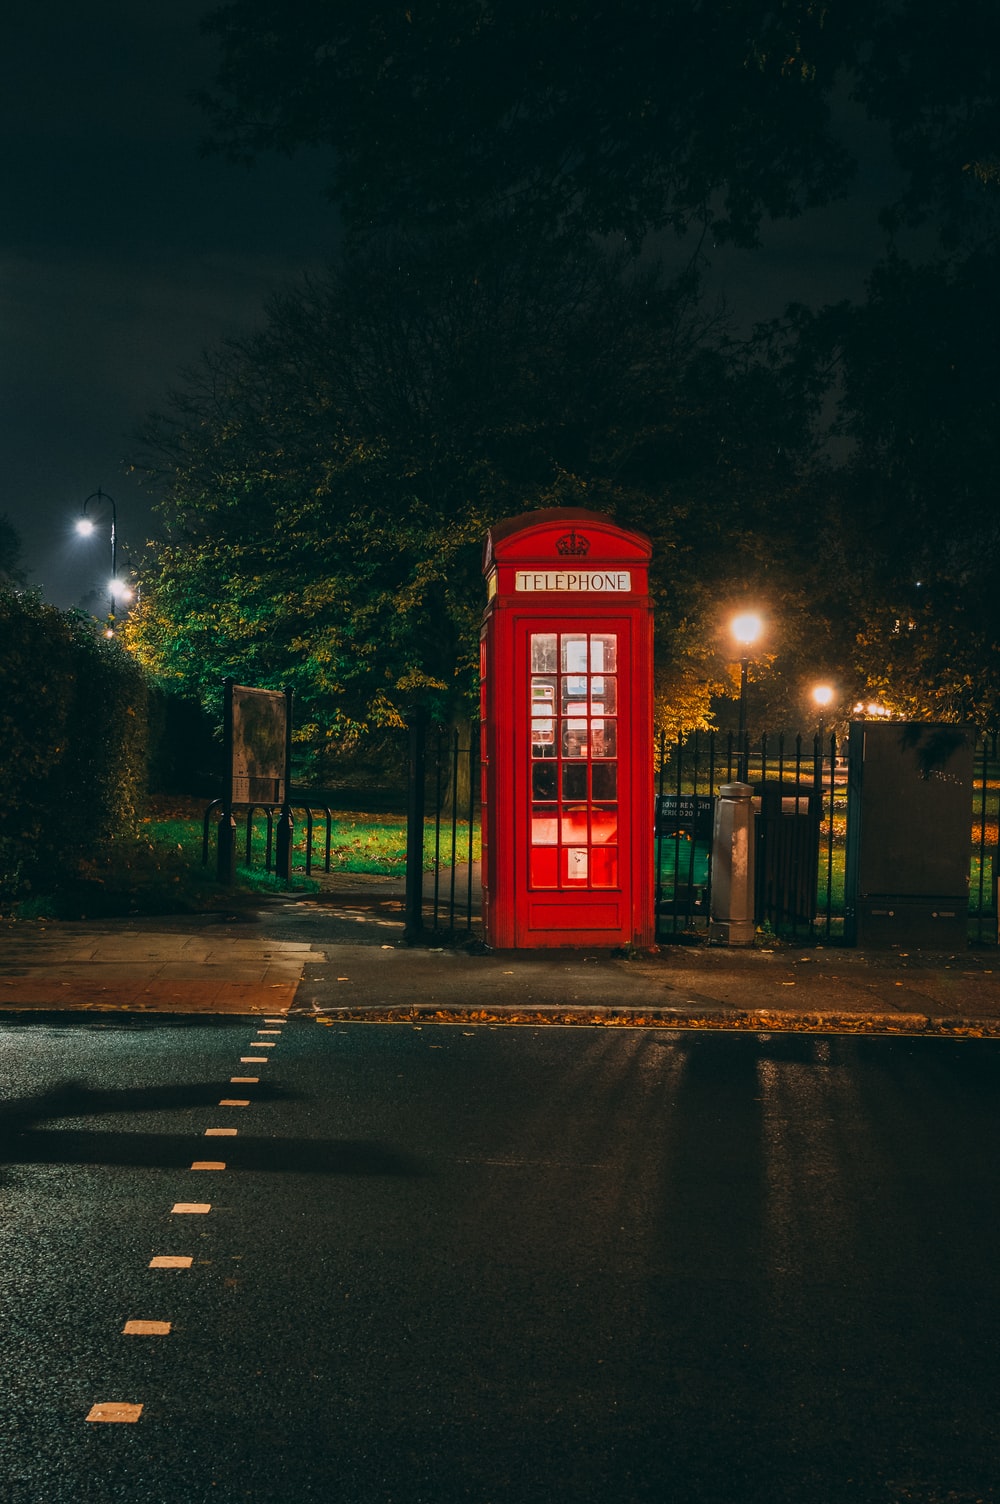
(732, 918)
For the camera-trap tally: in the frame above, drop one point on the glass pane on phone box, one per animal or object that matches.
(604, 784)
(603, 823)
(604, 652)
(604, 867)
(604, 693)
(574, 780)
(543, 695)
(574, 739)
(604, 738)
(543, 780)
(575, 825)
(543, 652)
(544, 867)
(574, 655)
(544, 826)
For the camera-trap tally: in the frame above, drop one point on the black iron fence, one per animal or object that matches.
(443, 832)
(985, 878)
(451, 898)
(250, 816)
(797, 783)
(800, 798)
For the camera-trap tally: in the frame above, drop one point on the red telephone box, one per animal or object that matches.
(567, 703)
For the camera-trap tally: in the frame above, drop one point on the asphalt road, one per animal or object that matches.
(496, 1265)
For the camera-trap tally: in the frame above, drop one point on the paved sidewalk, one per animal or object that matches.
(341, 955)
(680, 987)
(192, 968)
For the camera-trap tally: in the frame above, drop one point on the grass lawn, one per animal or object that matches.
(358, 842)
(162, 872)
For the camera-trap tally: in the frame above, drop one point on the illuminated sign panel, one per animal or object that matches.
(597, 581)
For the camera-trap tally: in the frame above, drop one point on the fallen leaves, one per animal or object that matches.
(757, 1022)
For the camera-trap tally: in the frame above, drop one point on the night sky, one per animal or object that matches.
(126, 253)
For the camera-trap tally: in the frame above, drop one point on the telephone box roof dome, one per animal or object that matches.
(569, 530)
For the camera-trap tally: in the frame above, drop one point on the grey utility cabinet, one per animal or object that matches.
(909, 823)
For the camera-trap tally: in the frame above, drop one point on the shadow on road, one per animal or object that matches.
(21, 1142)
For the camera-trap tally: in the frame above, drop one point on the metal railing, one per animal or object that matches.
(270, 813)
(801, 827)
(450, 904)
(800, 787)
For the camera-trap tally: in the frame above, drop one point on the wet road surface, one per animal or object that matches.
(495, 1264)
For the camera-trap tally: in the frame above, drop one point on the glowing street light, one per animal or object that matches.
(746, 628)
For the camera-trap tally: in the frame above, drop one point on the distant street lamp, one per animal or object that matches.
(822, 696)
(116, 589)
(746, 628)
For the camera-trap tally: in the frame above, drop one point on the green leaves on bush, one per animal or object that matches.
(73, 730)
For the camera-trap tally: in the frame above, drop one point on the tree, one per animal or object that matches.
(517, 123)
(941, 104)
(625, 118)
(920, 406)
(595, 118)
(329, 481)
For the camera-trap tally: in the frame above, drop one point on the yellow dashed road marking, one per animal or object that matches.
(120, 1411)
(114, 1410)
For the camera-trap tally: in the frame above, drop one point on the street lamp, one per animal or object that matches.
(822, 696)
(746, 628)
(85, 527)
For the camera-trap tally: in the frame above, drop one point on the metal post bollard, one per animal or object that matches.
(732, 918)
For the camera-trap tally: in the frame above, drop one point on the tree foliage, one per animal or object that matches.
(328, 481)
(937, 89)
(624, 118)
(382, 420)
(920, 406)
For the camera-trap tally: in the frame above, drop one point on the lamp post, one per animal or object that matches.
(746, 628)
(822, 696)
(85, 527)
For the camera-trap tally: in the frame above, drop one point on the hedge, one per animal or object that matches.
(73, 742)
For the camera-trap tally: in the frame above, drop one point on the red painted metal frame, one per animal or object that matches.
(550, 572)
